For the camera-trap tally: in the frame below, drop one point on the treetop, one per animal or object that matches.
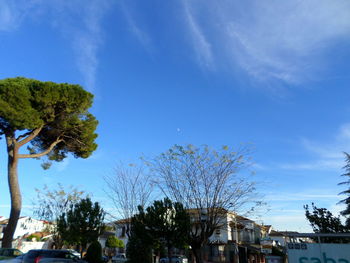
(53, 116)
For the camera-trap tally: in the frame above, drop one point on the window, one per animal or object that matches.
(123, 232)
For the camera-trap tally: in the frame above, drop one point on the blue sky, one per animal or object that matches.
(270, 73)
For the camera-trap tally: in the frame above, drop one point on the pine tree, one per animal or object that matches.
(346, 201)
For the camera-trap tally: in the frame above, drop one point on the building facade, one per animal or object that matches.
(25, 226)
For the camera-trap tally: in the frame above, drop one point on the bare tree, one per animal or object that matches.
(50, 204)
(207, 182)
(128, 187)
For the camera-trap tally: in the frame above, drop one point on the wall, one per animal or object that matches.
(25, 246)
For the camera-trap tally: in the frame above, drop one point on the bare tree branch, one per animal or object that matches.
(128, 188)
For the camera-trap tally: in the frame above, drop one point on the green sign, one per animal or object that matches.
(318, 253)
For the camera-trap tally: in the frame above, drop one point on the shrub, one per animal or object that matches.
(94, 253)
(30, 238)
(114, 242)
(137, 251)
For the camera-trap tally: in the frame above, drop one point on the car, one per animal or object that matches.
(35, 255)
(8, 253)
(18, 259)
(119, 258)
(59, 260)
(74, 252)
(174, 259)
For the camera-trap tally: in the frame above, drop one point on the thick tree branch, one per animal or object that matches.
(36, 155)
(30, 136)
(23, 135)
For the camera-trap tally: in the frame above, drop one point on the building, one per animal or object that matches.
(281, 238)
(236, 238)
(122, 229)
(25, 226)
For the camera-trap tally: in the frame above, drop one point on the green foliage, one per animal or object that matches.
(346, 201)
(52, 119)
(60, 110)
(138, 250)
(82, 224)
(30, 238)
(164, 224)
(110, 228)
(114, 242)
(168, 221)
(323, 221)
(94, 253)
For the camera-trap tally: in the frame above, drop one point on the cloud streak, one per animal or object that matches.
(13, 13)
(80, 23)
(327, 156)
(283, 41)
(300, 197)
(77, 21)
(201, 45)
(134, 27)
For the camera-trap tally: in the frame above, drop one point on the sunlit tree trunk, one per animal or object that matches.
(16, 198)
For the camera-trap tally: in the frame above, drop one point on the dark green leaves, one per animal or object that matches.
(16, 105)
(82, 224)
(323, 221)
(346, 201)
(164, 224)
(59, 110)
(114, 242)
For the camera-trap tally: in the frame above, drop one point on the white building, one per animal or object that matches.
(122, 228)
(237, 234)
(25, 226)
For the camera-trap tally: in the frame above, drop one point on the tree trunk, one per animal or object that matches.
(196, 251)
(169, 248)
(15, 193)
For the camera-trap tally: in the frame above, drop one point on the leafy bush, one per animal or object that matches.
(114, 242)
(94, 253)
(30, 238)
(138, 251)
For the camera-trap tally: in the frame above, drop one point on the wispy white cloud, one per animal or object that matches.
(8, 19)
(326, 155)
(292, 216)
(290, 222)
(200, 43)
(334, 149)
(270, 40)
(294, 219)
(12, 13)
(300, 196)
(141, 35)
(78, 21)
(322, 164)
